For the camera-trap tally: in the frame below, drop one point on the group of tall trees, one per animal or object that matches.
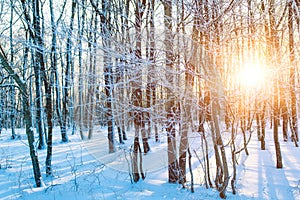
(151, 63)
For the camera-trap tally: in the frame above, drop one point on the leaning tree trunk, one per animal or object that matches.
(223, 164)
(217, 95)
(27, 115)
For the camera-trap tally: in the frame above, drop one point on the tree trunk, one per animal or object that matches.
(1, 108)
(81, 26)
(66, 103)
(184, 142)
(187, 122)
(263, 126)
(150, 90)
(292, 84)
(12, 88)
(223, 175)
(139, 126)
(48, 90)
(263, 115)
(139, 118)
(170, 107)
(92, 70)
(108, 79)
(50, 126)
(233, 157)
(27, 116)
(152, 86)
(38, 65)
(273, 47)
(284, 113)
(257, 117)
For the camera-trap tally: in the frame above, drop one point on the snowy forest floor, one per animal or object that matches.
(84, 170)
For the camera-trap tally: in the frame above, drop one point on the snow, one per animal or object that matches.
(84, 170)
(267, 182)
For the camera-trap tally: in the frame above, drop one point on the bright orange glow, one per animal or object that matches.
(252, 76)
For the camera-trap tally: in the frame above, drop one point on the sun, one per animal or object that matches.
(252, 76)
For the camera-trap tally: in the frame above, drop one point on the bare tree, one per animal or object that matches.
(49, 82)
(67, 102)
(105, 28)
(81, 27)
(12, 88)
(274, 47)
(92, 46)
(27, 115)
(36, 35)
(292, 61)
(170, 105)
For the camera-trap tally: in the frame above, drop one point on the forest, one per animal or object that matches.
(183, 85)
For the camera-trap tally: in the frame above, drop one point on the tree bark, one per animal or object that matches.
(38, 66)
(48, 90)
(92, 70)
(12, 88)
(27, 116)
(108, 79)
(292, 78)
(81, 26)
(263, 126)
(66, 103)
(170, 107)
(273, 46)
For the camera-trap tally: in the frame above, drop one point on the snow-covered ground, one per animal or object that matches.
(84, 170)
